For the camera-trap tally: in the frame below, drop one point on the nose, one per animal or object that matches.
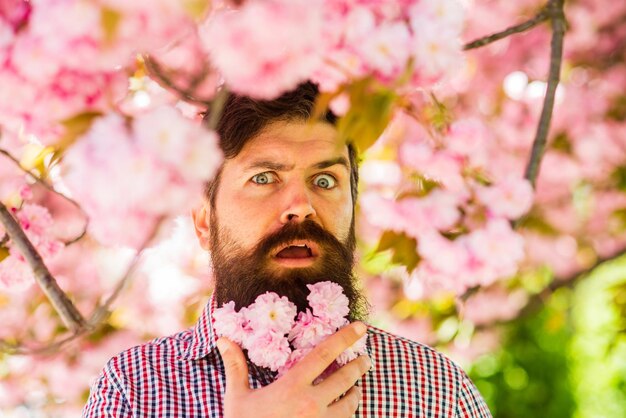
(298, 206)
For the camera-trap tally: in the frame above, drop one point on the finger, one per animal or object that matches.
(343, 379)
(314, 363)
(235, 366)
(347, 405)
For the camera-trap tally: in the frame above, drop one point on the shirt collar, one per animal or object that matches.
(204, 337)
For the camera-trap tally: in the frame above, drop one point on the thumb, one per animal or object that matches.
(235, 366)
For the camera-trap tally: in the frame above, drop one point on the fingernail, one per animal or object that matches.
(360, 327)
(369, 363)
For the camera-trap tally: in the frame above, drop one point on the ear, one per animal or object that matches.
(202, 224)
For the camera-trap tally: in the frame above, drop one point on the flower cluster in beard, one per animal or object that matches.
(276, 339)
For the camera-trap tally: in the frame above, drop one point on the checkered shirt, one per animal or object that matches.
(183, 376)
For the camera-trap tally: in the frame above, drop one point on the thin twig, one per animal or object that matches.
(103, 310)
(540, 17)
(50, 188)
(96, 318)
(70, 316)
(566, 281)
(158, 74)
(19, 349)
(216, 107)
(558, 23)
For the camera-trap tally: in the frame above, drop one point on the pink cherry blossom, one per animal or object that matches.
(495, 252)
(15, 274)
(386, 49)
(446, 256)
(352, 352)
(309, 330)
(509, 198)
(437, 48)
(328, 302)
(439, 210)
(271, 313)
(441, 166)
(263, 63)
(230, 323)
(176, 140)
(268, 350)
(294, 357)
(493, 304)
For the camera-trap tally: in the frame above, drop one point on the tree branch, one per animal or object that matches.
(568, 281)
(96, 318)
(558, 23)
(542, 16)
(103, 310)
(158, 73)
(50, 188)
(70, 316)
(216, 107)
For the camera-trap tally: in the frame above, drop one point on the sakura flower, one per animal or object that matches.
(328, 302)
(437, 50)
(496, 248)
(493, 304)
(177, 140)
(509, 198)
(447, 13)
(15, 274)
(309, 330)
(271, 313)
(294, 357)
(230, 323)
(268, 350)
(263, 63)
(386, 49)
(442, 166)
(442, 254)
(352, 352)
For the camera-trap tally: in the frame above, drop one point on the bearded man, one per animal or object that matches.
(279, 216)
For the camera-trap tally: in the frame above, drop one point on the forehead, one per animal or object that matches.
(296, 143)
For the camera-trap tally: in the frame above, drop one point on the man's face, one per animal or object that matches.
(283, 215)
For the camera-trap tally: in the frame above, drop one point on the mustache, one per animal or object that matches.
(306, 230)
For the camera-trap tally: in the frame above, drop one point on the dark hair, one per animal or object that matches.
(243, 118)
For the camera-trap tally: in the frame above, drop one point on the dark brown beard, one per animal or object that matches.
(241, 276)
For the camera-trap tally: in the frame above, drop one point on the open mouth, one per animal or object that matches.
(297, 253)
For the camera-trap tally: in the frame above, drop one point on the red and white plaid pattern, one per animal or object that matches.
(183, 376)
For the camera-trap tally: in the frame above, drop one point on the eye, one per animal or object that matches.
(264, 178)
(325, 181)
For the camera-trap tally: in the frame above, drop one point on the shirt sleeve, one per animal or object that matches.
(470, 403)
(106, 398)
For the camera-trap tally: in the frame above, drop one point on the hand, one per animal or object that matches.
(294, 395)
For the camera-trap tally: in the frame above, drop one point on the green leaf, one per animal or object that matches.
(4, 253)
(424, 185)
(403, 247)
(196, 9)
(438, 115)
(387, 240)
(562, 142)
(619, 217)
(617, 109)
(109, 21)
(369, 114)
(619, 178)
(322, 103)
(534, 222)
(75, 127)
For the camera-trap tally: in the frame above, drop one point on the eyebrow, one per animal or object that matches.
(272, 165)
(329, 163)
